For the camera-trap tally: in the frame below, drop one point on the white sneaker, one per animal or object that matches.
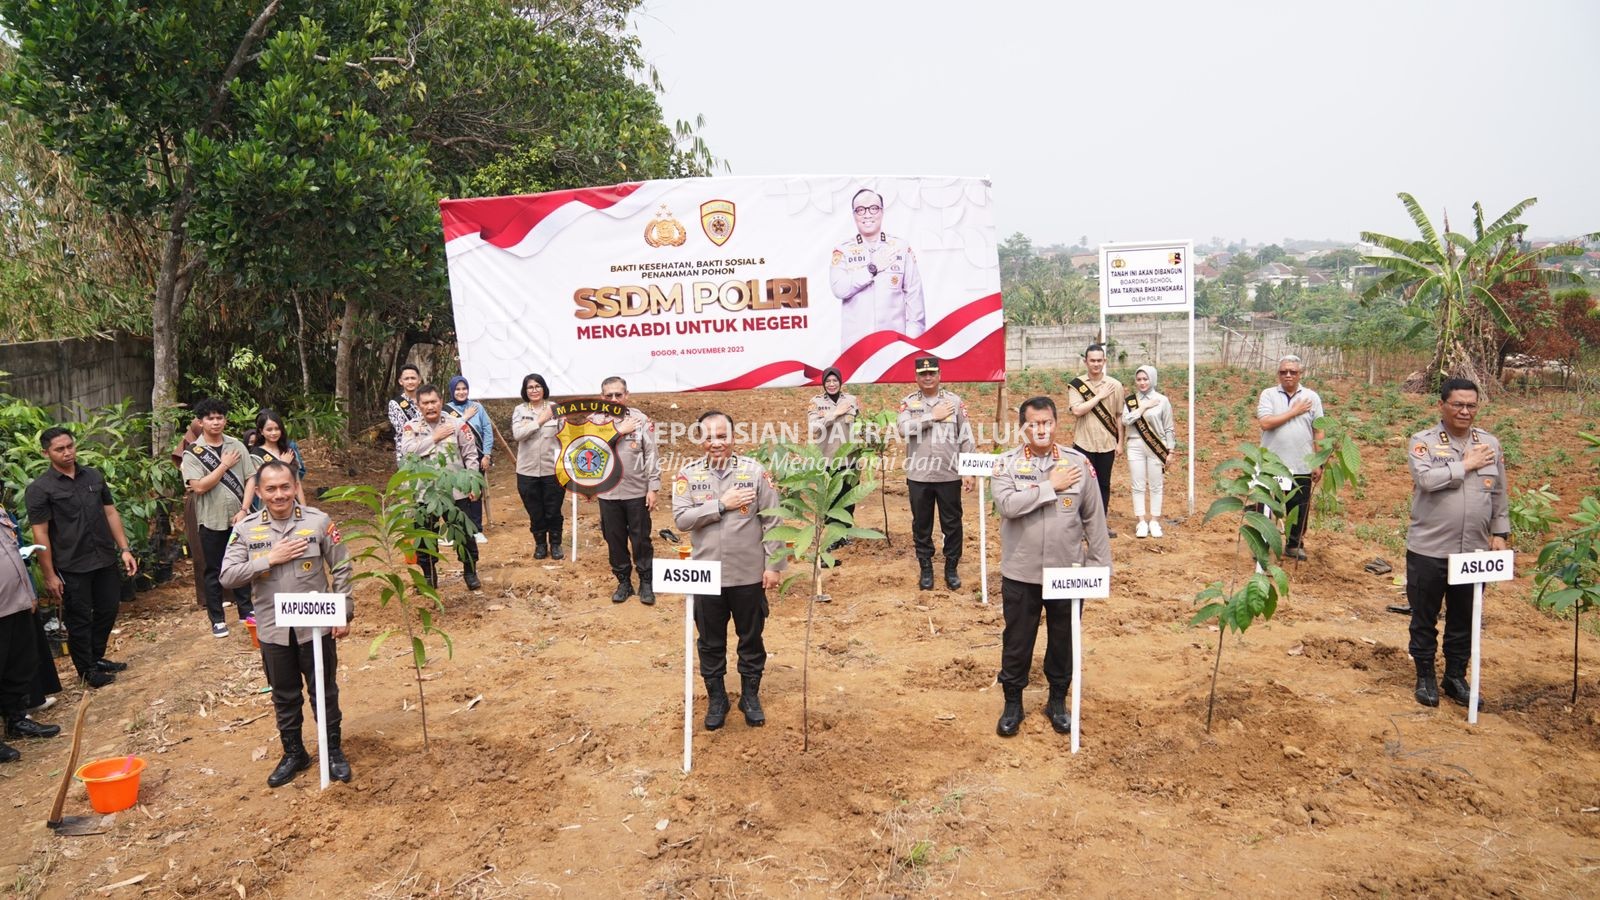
(481, 538)
(1143, 530)
(446, 543)
(1155, 528)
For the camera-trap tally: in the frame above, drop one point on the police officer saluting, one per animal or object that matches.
(291, 548)
(716, 499)
(1458, 505)
(934, 422)
(1050, 515)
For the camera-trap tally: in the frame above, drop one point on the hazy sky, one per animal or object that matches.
(1156, 120)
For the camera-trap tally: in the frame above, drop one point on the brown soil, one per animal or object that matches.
(1320, 777)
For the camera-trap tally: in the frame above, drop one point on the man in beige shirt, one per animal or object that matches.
(1097, 400)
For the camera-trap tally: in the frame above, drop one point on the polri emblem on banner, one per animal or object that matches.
(717, 220)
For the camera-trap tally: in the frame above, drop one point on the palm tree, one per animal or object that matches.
(1447, 280)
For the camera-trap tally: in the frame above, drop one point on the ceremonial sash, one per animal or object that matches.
(1147, 432)
(211, 460)
(1100, 411)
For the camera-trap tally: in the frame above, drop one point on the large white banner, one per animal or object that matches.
(726, 283)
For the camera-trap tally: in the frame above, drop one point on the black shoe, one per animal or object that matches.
(472, 581)
(1456, 686)
(541, 550)
(750, 701)
(97, 679)
(110, 665)
(295, 760)
(1427, 692)
(555, 546)
(24, 727)
(623, 592)
(647, 592)
(1111, 532)
(1295, 553)
(338, 766)
(925, 580)
(952, 579)
(1011, 715)
(716, 704)
(9, 753)
(1055, 709)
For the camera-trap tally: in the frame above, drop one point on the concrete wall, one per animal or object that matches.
(1165, 342)
(79, 373)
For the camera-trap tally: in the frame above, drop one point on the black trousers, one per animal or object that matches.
(46, 680)
(1023, 605)
(466, 549)
(625, 524)
(1299, 499)
(89, 610)
(947, 496)
(541, 497)
(1102, 463)
(18, 662)
(746, 604)
(1428, 588)
(213, 544)
(289, 667)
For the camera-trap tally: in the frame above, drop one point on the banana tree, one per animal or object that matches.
(815, 507)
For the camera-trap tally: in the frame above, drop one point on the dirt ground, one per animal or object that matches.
(555, 765)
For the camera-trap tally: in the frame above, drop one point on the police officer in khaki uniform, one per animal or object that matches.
(290, 548)
(1050, 515)
(934, 422)
(625, 509)
(717, 499)
(1458, 505)
(876, 277)
(441, 431)
(829, 420)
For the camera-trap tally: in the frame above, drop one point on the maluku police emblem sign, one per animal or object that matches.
(588, 463)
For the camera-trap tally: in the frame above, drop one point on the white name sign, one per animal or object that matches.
(980, 464)
(686, 576)
(1482, 566)
(1087, 582)
(309, 610)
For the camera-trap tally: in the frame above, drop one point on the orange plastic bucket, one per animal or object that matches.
(113, 783)
(250, 626)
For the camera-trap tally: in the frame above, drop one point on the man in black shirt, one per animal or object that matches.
(72, 516)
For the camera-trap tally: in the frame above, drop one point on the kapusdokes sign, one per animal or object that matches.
(726, 283)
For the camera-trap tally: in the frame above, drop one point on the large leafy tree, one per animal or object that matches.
(1448, 279)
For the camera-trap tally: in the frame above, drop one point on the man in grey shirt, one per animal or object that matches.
(1287, 415)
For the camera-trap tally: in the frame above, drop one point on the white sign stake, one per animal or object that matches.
(574, 527)
(1075, 584)
(672, 577)
(317, 612)
(980, 466)
(1476, 569)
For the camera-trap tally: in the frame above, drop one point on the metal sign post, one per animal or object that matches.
(1476, 569)
(680, 576)
(317, 612)
(1074, 585)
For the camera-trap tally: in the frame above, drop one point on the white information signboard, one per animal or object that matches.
(1477, 569)
(687, 577)
(316, 612)
(980, 466)
(1074, 585)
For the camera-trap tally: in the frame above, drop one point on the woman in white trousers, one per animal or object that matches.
(1146, 465)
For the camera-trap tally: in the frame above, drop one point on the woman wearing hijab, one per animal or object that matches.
(483, 430)
(829, 419)
(1151, 445)
(533, 428)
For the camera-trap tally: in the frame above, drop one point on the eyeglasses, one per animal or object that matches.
(1288, 371)
(615, 396)
(1463, 407)
(868, 210)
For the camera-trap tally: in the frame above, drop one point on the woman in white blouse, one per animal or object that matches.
(1151, 445)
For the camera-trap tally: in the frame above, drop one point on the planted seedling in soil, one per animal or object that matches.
(1572, 562)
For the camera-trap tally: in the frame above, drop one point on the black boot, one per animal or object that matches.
(9, 753)
(624, 590)
(541, 549)
(338, 766)
(471, 578)
(716, 703)
(20, 726)
(1427, 688)
(750, 701)
(555, 545)
(925, 580)
(952, 580)
(1055, 709)
(295, 760)
(647, 591)
(1011, 715)
(1455, 684)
